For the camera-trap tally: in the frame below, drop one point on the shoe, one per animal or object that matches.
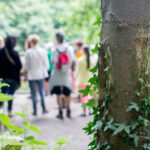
(45, 111)
(68, 113)
(34, 113)
(83, 115)
(60, 115)
(10, 114)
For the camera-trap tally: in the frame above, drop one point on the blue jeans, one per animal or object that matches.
(37, 85)
(13, 85)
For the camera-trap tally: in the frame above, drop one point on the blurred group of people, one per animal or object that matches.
(56, 69)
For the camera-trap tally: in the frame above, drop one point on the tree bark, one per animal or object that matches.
(125, 34)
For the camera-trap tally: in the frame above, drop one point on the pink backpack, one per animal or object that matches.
(63, 61)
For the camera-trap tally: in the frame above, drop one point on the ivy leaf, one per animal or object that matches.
(93, 70)
(98, 20)
(99, 125)
(137, 93)
(106, 69)
(147, 85)
(141, 80)
(109, 125)
(146, 73)
(135, 139)
(134, 124)
(143, 121)
(89, 104)
(133, 106)
(96, 48)
(121, 127)
(146, 146)
(85, 91)
(93, 79)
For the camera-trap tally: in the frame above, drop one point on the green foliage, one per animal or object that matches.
(22, 18)
(79, 17)
(11, 139)
(136, 133)
(60, 143)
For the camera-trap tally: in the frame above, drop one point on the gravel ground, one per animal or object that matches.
(53, 128)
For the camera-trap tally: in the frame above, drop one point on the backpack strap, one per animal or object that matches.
(63, 51)
(9, 57)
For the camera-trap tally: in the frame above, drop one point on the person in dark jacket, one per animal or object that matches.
(10, 66)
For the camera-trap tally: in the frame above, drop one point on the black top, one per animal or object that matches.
(9, 70)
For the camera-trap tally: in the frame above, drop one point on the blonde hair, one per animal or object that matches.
(33, 38)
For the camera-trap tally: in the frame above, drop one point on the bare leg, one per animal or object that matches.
(84, 110)
(59, 101)
(60, 105)
(67, 99)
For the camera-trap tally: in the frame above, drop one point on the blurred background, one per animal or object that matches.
(43, 17)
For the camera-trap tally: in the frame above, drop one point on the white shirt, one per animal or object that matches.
(36, 63)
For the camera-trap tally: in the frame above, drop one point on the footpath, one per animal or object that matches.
(51, 127)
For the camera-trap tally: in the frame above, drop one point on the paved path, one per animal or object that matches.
(52, 127)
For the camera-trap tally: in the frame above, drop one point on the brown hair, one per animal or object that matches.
(86, 50)
(78, 43)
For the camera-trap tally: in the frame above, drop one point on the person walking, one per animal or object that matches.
(36, 68)
(61, 78)
(10, 66)
(78, 44)
(83, 74)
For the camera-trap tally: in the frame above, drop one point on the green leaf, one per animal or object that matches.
(93, 79)
(26, 124)
(135, 139)
(147, 85)
(137, 93)
(35, 129)
(99, 125)
(98, 20)
(38, 142)
(85, 91)
(4, 98)
(62, 141)
(141, 80)
(96, 49)
(121, 127)
(94, 70)
(106, 69)
(3, 85)
(22, 115)
(89, 104)
(5, 119)
(109, 125)
(133, 106)
(143, 120)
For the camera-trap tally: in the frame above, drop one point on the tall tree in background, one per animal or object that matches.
(125, 36)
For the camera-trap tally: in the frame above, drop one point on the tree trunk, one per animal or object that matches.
(125, 34)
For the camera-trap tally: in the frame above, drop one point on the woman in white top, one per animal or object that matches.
(36, 67)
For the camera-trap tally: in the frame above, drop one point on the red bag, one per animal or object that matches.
(63, 61)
